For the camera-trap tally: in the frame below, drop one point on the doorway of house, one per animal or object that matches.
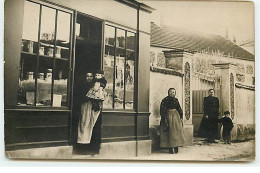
(88, 51)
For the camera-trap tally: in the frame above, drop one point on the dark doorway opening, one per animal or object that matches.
(88, 51)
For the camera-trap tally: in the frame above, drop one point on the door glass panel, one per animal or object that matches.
(130, 64)
(28, 56)
(120, 69)
(109, 64)
(61, 72)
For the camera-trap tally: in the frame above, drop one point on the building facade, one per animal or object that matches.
(50, 45)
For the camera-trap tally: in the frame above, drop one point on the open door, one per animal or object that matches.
(88, 51)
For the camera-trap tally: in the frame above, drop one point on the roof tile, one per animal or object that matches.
(177, 38)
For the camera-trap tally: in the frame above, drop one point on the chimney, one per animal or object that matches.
(234, 39)
(162, 20)
(227, 33)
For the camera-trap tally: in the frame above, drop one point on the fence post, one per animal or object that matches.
(226, 73)
(182, 60)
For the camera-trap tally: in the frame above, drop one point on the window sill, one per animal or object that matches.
(33, 108)
(119, 111)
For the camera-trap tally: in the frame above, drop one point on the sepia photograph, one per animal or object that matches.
(129, 80)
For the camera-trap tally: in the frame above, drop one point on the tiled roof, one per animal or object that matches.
(247, 43)
(177, 38)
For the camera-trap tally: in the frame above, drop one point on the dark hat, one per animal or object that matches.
(100, 72)
(226, 112)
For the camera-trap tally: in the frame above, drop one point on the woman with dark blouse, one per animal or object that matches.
(89, 134)
(171, 124)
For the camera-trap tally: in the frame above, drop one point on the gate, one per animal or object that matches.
(201, 83)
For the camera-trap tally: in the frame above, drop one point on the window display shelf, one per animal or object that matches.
(86, 40)
(130, 50)
(43, 56)
(28, 53)
(122, 48)
(110, 45)
(52, 46)
(51, 57)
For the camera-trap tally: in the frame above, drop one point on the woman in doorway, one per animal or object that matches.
(171, 124)
(89, 128)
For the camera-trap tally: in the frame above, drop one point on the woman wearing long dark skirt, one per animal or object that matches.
(172, 135)
(89, 126)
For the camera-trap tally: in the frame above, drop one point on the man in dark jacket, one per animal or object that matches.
(210, 118)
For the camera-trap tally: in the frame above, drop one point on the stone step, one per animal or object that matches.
(110, 150)
(60, 152)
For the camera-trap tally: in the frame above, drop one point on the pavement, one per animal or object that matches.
(202, 151)
(199, 151)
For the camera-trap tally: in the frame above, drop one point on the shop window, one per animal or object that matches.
(119, 68)
(45, 57)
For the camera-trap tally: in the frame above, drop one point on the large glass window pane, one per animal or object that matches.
(61, 72)
(130, 69)
(46, 51)
(120, 69)
(31, 21)
(28, 56)
(63, 35)
(109, 64)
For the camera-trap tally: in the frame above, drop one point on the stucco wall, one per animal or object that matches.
(244, 119)
(157, 57)
(159, 85)
(244, 106)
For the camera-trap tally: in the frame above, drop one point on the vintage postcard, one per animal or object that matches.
(129, 80)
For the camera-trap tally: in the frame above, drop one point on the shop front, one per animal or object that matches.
(49, 47)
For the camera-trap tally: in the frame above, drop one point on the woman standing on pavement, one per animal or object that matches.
(171, 123)
(209, 123)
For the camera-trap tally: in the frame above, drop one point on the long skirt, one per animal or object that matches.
(86, 122)
(208, 128)
(174, 136)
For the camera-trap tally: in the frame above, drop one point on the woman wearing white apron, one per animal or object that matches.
(89, 127)
(172, 135)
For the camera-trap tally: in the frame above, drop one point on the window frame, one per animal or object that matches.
(126, 30)
(37, 55)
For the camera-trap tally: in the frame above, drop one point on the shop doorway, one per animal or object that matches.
(88, 53)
